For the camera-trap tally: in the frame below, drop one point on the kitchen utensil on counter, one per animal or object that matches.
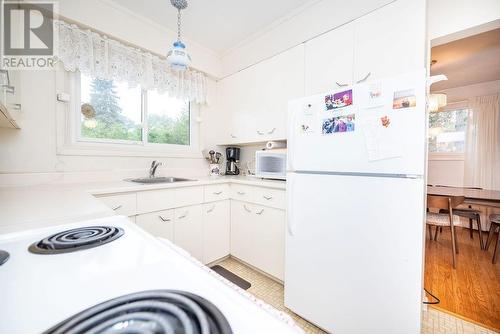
(212, 152)
(217, 157)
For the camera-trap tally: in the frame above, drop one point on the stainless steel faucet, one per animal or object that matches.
(154, 166)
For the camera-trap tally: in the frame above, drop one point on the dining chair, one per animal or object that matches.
(495, 225)
(472, 215)
(440, 219)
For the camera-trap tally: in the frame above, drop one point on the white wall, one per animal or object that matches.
(119, 22)
(33, 148)
(446, 17)
(451, 172)
(312, 20)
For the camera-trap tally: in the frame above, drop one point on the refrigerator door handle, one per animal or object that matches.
(289, 211)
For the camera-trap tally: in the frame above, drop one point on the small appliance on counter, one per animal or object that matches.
(270, 164)
(233, 157)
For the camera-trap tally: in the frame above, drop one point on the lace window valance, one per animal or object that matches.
(104, 58)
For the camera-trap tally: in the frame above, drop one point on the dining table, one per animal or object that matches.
(476, 196)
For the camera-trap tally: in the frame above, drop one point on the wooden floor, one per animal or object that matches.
(472, 290)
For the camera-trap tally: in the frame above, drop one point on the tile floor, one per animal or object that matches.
(270, 291)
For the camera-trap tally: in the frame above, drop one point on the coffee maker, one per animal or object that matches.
(232, 157)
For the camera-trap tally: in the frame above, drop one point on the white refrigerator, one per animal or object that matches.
(355, 226)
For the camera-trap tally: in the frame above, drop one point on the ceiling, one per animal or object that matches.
(216, 24)
(468, 61)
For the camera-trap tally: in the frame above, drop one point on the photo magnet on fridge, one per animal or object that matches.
(404, 99)
(338, 100)
(339, 124)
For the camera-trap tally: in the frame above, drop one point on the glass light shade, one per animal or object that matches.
(178, 57)
(436, 101)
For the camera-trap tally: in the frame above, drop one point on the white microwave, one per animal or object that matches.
(270, 165)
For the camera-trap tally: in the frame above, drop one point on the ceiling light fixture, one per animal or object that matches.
(437, 101)
(178, 57)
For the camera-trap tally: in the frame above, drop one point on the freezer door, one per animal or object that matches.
(354, 252)
(384, 134)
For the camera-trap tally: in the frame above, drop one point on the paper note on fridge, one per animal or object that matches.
(381, 138)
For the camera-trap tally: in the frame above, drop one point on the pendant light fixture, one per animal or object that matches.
(178, 57)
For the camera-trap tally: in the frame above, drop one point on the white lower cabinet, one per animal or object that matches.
(188, 229)
(258, 236)
(216, 227)
(159, 224)
(214, 221)
(242, 231)
(269, 229)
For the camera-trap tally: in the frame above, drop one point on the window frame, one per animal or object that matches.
(70, 141)
(447, 156)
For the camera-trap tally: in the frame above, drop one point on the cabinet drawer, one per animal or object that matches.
(216, 192)
(155, 200)
(159, 224)
(123, 204)
(242, 193)
(188, 196)
(275, 198)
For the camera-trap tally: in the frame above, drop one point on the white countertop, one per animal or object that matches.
(25, 207)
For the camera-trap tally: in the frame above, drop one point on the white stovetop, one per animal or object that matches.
(39, 291)
(25, 207)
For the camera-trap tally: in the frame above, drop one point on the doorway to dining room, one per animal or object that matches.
(461, 269)
(463, 193)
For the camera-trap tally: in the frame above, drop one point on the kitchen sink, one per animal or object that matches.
(162, 179)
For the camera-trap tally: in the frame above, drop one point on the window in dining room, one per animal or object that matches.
(447, 130)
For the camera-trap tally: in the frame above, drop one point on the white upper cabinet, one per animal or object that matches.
(390, 41)
(253, 103)
(329, 60)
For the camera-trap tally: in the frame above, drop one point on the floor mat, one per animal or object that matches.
(245, 285)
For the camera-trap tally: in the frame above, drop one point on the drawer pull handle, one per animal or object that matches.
(247, 209)
(260, 212)
(341, 85)
(184, 215)
(164, 219)
(271, 131)
(260, 133)
(241, 193)
(117, 207)
(217, 192)
(233, 136)
(211, 209)
(10, 89)
(268, 197)
(364, 79)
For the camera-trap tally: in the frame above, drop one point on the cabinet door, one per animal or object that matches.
(216, 227)
(390, 40)
(188, 230)
(277, 81)
(329, 60)
(269, 229)
(243, 231)
(238, 99)
(159, 224)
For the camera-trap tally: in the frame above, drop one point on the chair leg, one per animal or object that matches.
(470, 229)
(495, 252)
(480, 231)
(436, 233)
(490, 236)
(429, 228)
(454, 248)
